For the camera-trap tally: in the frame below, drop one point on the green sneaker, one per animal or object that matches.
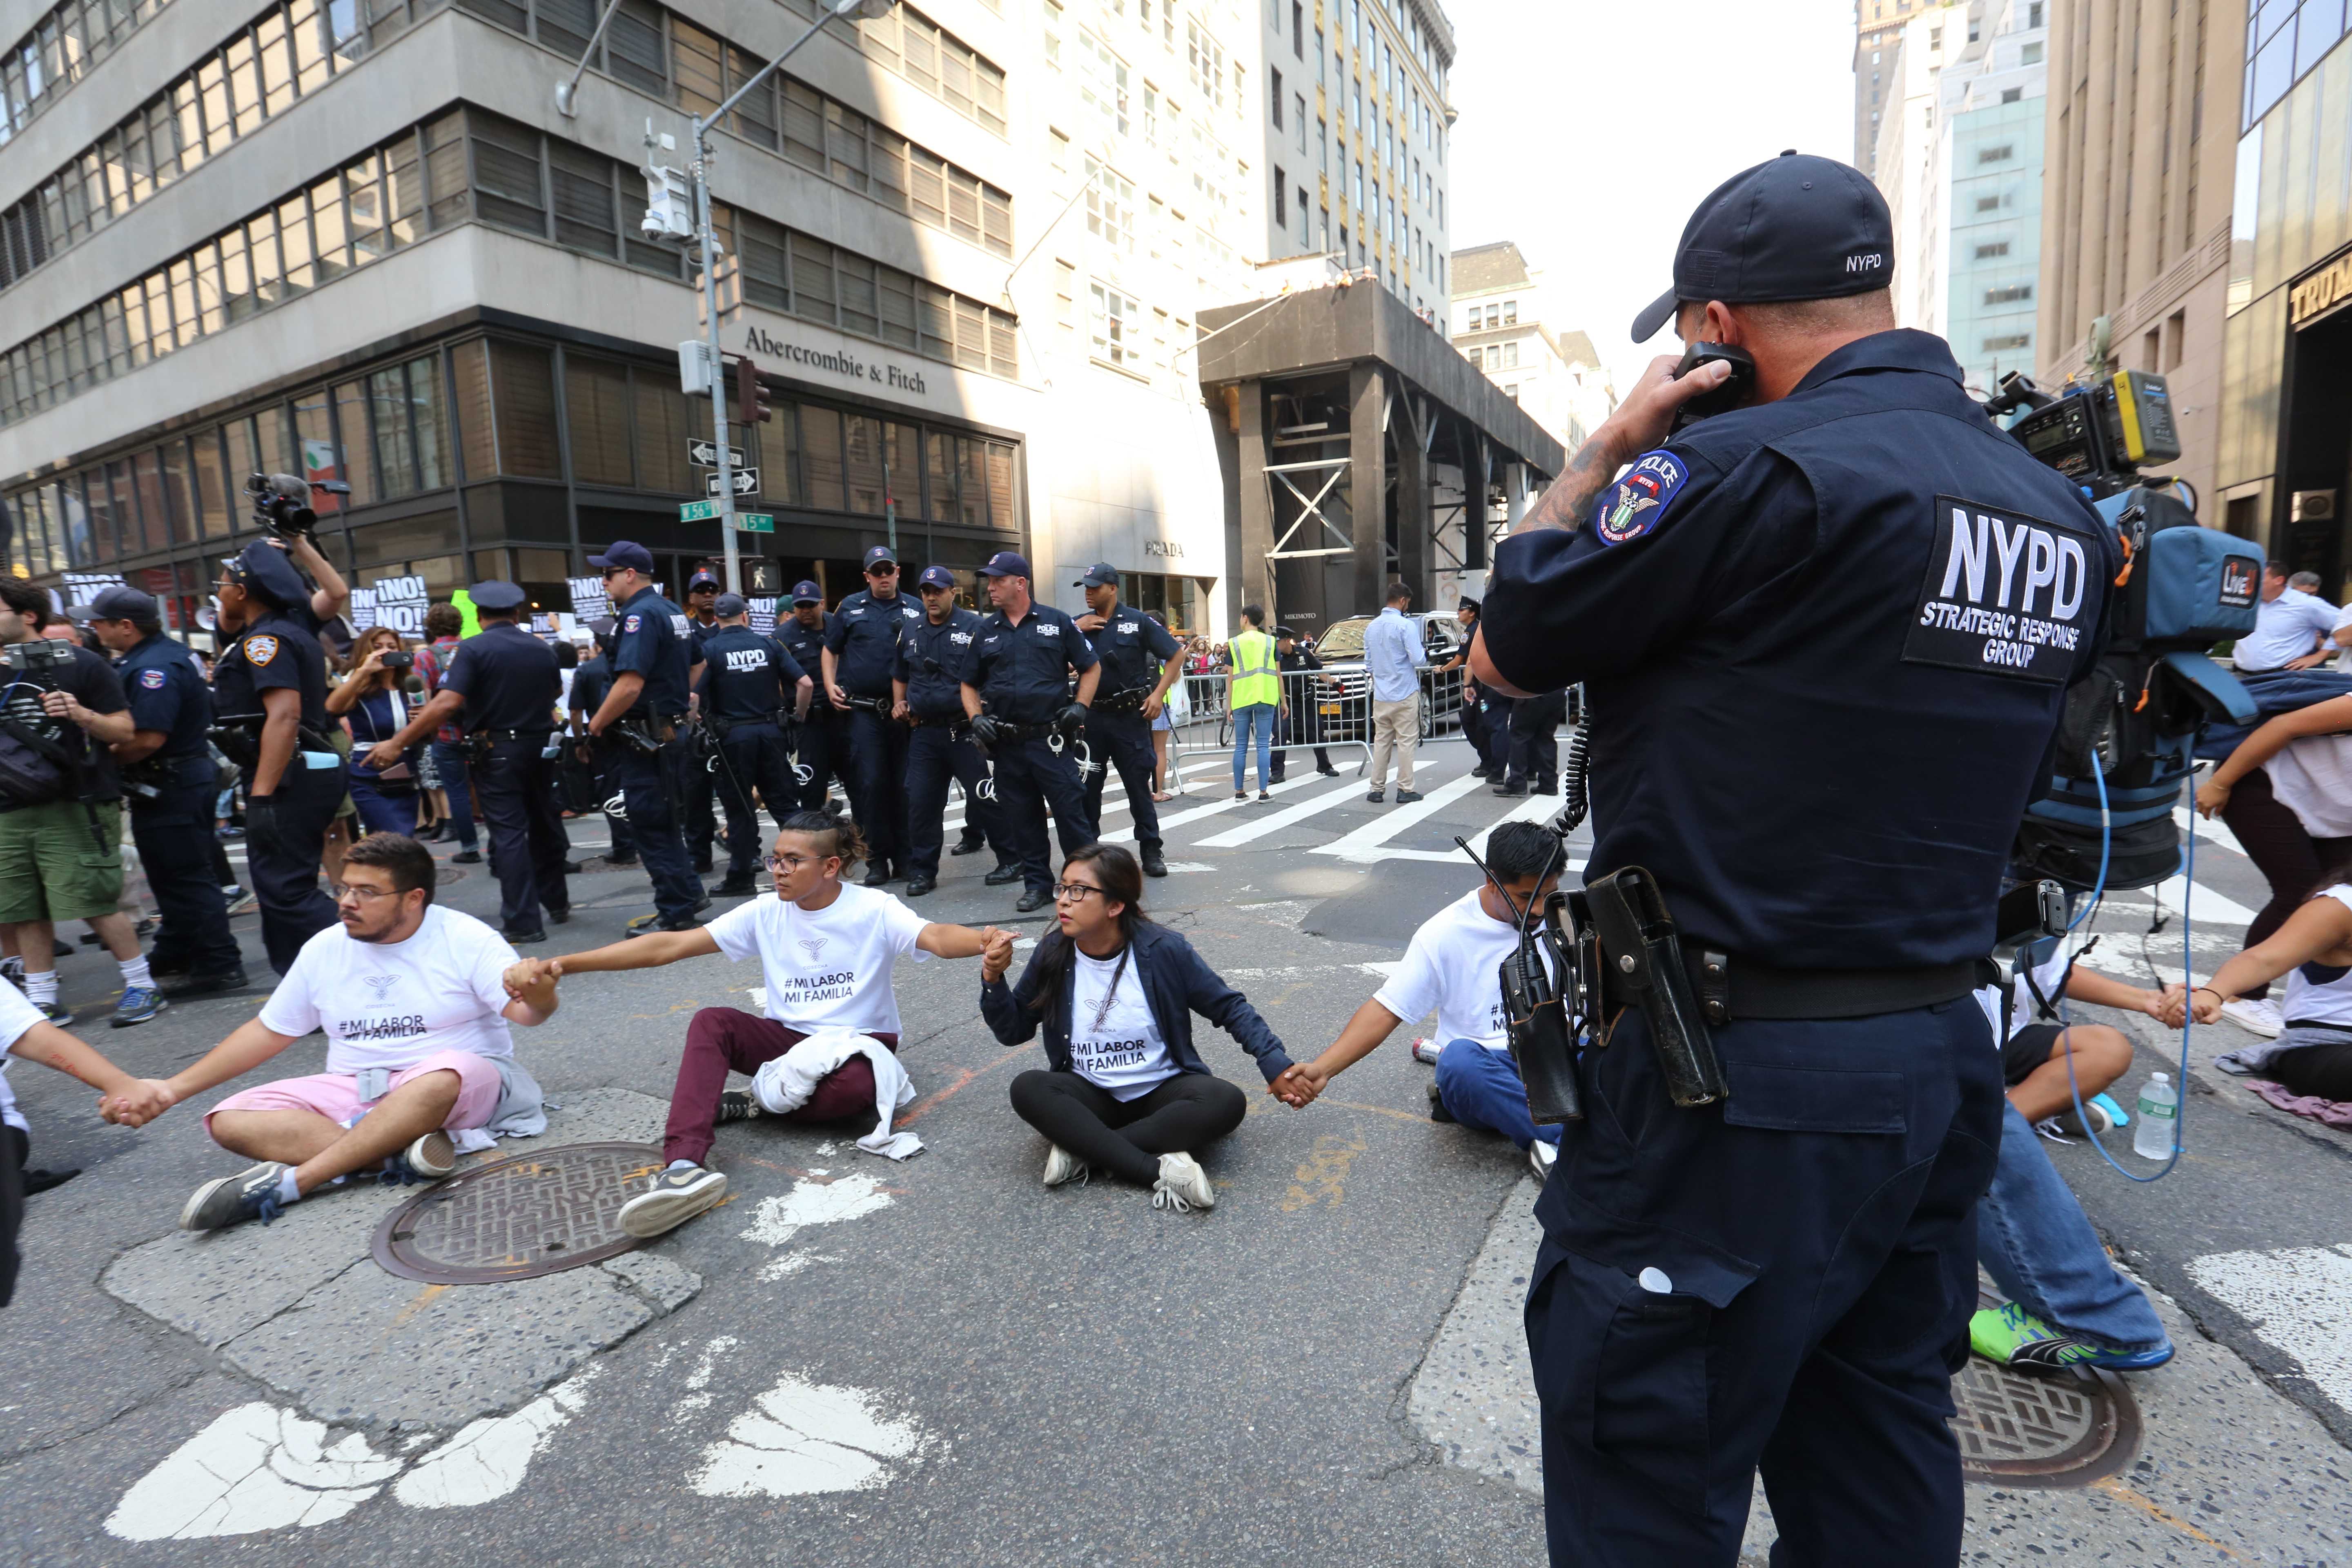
(1999, 1333)
(2012, 1336)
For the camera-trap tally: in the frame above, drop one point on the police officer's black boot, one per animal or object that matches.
(1007, 870)
(737, 884)
(1155, 864)
(969, 844)
(1510, 788)
(918, 886)
(1035, 899)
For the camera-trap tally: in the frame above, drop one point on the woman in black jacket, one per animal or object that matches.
(1125, 1089)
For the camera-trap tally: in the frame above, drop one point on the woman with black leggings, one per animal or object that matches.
(1116, 992)
(2313, 1054)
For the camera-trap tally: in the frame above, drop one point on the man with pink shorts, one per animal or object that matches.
(415, 1006)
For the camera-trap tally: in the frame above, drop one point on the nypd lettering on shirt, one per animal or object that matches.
(2005, 594)
(1634, 504)
(747, 658)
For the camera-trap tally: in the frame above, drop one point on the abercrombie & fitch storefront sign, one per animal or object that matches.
(834, 362)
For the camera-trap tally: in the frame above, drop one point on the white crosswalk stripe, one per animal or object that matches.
(1282, 819)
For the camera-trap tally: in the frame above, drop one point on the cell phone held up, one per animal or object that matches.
(397, 661)
(1736, 390)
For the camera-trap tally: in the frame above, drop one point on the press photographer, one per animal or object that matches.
(1817, 718)
(61, 804)
(171, 783)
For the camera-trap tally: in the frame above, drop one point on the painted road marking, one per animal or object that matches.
(1368, 843)
(2298, 1299)
(1261, 826)
(256, 1468)
(802, 1437)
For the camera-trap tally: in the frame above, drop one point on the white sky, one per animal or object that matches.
(1588, 132)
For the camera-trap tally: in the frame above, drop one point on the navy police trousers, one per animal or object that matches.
(1031, 776)
(1782, 1281)
(1123, 740)
(933, 757)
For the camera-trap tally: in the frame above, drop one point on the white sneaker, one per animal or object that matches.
(1061, 1166)
(677, 1196)
(432, 1156)
(1543, 1156)
(2262, 1018)
(1182, 1184)
(1425, 1050)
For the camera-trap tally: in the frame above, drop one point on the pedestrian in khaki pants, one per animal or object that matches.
(1393, 657)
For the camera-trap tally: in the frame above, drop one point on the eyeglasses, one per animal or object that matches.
(342, 891)
(1074, 892)
(782, 863)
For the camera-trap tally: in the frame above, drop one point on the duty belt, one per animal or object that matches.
(872, 704)
(538, 735)
(1732, 987)
(722, 726)
(1128, 701)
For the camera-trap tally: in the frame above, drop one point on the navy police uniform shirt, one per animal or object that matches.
(699, 632)
(864, 637)
(167, 693)
(935, 660)
(806, 645)
(1825, 643)
(650, 640)
(1133, 646)
(508, 679)
(589, 682)
(747, 677)
(1023, 672)
(275, 653)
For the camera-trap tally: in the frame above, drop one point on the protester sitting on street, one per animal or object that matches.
(825, 950)
(412, 999)
(2292, 629)
(2042, 1084)
(370, 701)
(2313, 1053)
(1116, 992)
(25, 1033)
(2285, 792)
(1453, 966)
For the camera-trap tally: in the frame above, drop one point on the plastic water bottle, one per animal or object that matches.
(2159, 1118)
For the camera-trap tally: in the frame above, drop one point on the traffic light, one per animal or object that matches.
(751, 394)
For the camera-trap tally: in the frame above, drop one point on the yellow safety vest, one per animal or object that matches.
(1255, 680)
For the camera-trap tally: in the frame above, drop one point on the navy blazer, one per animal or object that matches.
(1177, 983)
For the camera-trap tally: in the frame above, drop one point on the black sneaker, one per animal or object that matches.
(736, 1105)
(466, 857)
(1035, 899)
(676, 1195)
(1509, 791)
(1438, 1111)
(969, 845)
(205, 984)
(523, 938)
(1155, 864)
(1407, 797)
(251, 1194)
(1006, 871)
(1328, 773)
(561, 916)
(621, 860)
(1479, 772)
(918, 886)
(1262, 794)
(1377, 796)
(735, 887)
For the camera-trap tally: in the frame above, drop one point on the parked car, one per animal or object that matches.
(1342, 702)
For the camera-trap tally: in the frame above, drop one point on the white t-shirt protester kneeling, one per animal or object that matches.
(1454, 967)
(827, 968)
(391, 1004)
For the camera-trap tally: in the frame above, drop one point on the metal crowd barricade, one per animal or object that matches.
(1320, 713)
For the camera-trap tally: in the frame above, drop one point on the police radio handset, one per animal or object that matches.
(1536, 1022)
(1737, 389)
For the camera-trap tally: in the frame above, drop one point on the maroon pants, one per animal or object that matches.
(723, 1040)
(2289, 859)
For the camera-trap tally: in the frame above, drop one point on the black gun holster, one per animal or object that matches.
(1629, 955)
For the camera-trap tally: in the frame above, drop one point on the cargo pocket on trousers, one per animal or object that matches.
(1649, 1299)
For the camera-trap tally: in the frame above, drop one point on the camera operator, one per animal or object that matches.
(281, 508)
(61, 804)
(170, 781)
(270, 695)
(1818, 718)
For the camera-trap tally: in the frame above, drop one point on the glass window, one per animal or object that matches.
(214, 492)
(277, 58)
(404, 191)
(179, 500)
(145, 522)
(476, 436)
(633, 48)
(661, 432)
(394, 438)
(582, 185)
(971, 483)
(506, 173)
(940, 474)
(596, 410)
(1002, 513)
(98, 495)
(333, 233)
(314, 425)
(428, 404)
(294, 245)
(862, 463)
(812, 282)
(821, 464)
(357, 448)
(523, 377)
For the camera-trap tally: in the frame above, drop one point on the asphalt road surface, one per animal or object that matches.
(855, 1361)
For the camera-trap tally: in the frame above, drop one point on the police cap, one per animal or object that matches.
(1794, 228)
(936, 577)
(496, 596)
(729, 605)
(622, 552)
(881, 555)
(263, 571)
(807, 594)
(1101, 574)
(1006, 563)
(704, 577)
(116, 603)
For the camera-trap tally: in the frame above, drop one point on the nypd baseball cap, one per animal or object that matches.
(1006, 563)
(621, 552)
(1795, 228)
(880, 556)
(807, 594)
(115, 603)
(704, 577)
(1101, 574)
(263, 570)
(729, 605)
(936, 577)
(497, 596)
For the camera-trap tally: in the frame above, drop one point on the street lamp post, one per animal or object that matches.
(707, 242)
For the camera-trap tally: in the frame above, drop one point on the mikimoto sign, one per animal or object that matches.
(2005, 594)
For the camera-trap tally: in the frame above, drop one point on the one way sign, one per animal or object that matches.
(705, 454)
(747, 482)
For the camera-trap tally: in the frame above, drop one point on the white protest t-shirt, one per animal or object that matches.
(1114, 1043)
(391, 1005)
(1454, 965)
(16, 1015)
(828, 968)
(2048, 976)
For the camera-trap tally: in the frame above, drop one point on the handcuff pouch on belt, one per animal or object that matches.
(1636, 959)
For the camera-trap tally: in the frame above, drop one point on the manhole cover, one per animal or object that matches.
(525, 1214)
(2042, 1431)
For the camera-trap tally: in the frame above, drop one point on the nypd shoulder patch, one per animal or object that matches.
(260, 649)
(632, 623)
(152, 680)
(1635, 505)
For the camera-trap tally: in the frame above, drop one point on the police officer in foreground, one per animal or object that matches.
(639, 719)
(170, 781)
(506, 681)
(700, 824)
(1021, 670)
(589, 682)
(1815, 728)
(934, 659)
(861, 656)
(820, 746)
(269, 693)
(1138, 666)
(752, 693)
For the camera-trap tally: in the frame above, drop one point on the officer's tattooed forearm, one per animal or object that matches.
(1565, 503)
